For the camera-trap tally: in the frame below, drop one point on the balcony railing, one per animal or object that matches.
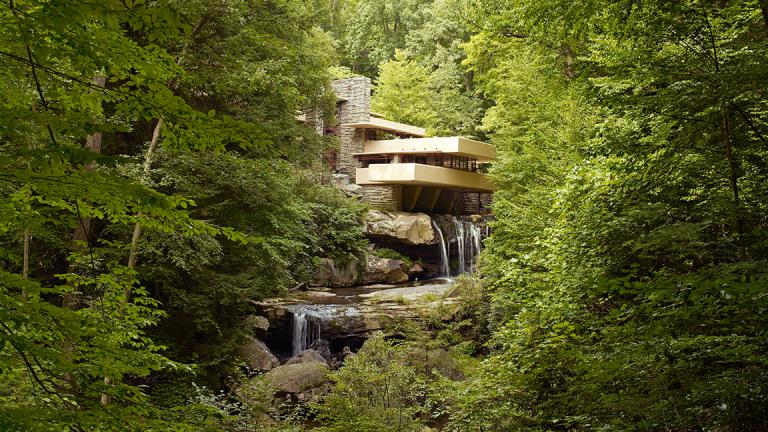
(458, 146)
(425, 175)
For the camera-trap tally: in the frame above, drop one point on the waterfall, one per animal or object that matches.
(476, 243)
(306, 330)
(468, 236)
(307, 321)
(443, 251)
(458, 226)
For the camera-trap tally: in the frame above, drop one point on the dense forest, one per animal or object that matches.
(155, 184)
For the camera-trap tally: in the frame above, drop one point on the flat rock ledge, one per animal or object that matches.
(409, 228)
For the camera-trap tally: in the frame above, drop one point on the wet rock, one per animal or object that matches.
(383, 270)
(415, 269)
(353, 190)
(408, 228)
(298, 377)
(330, 273)
(410, 293)
(258, 324)
(306, 356)
(257, 355)
(316, 295)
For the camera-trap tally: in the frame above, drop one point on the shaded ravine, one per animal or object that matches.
(332, 319)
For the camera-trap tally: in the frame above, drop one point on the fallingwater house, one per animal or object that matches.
(426, 194)
(397, 167)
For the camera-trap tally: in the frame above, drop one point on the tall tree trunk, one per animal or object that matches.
(733, 175)
(82, 230)
(764, 8)
(132, 256)
(136, 237)
(25, 260)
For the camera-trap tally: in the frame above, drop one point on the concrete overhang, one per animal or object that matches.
(424, 175)
(458, 146)
(380, 123)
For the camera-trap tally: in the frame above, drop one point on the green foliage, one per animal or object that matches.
(54, 360)
(220, 83)
(627, 264)
(415, 47)
(367, 32)
(392, 254)
(403, 92)
(375, 390)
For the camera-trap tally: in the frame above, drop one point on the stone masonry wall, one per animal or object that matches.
(355, 93)
(473, 202)
(385, 198)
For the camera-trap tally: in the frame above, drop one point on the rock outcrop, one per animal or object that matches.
(383, 270)
(330, 273)
(258, 324)
(407, 228)
(306, 356)
(257, 355)
(298, 377)
(342, 182)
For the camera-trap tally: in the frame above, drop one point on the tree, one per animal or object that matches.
(53, 359)
(403, 92)
(375, 390)
(627, 261)
(368, 32)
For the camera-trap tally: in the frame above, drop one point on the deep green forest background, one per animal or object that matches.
(155, 180)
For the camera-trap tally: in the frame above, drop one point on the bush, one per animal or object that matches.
(375, 391)
(391, 254)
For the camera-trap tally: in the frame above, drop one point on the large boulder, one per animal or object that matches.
(258, 324)
(408, 228)
(329, 273)
(383, 270)
(306, 356)
(298, 377)
(257, 355)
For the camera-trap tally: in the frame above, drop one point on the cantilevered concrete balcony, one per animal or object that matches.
(388, 125)
(422, 175)
(458, 146)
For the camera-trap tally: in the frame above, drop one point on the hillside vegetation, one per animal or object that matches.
(155, 182)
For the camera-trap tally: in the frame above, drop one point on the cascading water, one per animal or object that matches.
(458, 227)
(444, 264)
(307, 322)
(467, 235)
(474, 243)
(306, 330)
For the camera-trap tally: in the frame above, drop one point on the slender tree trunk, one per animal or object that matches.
(132, 256)
(764, 8)
(733, 174)
(136, 237)
(82, 230)
(569, 61)
(25, 260)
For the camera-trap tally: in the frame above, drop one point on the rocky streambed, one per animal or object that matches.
(298, 338)
(329, 319)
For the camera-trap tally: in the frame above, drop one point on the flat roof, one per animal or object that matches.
(459, 146)
(380, 123)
